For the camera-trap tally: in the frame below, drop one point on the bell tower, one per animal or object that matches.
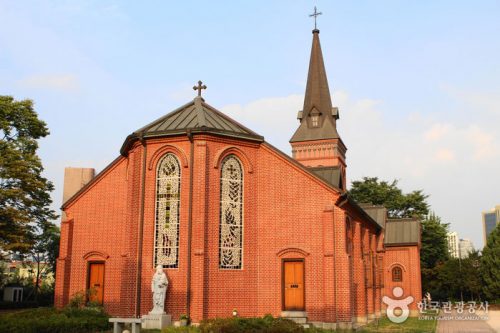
(316, 143)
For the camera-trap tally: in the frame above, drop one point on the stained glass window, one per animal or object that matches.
(168, 185)
(231, 214)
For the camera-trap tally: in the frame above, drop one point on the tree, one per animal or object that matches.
(42, 257)
(440, 277)
(471, 267)
(490, 266)
(434, 242)
(388, 194)
(24, 193)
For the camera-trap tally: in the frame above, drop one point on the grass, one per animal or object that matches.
(383, 325)
(50, 320)
(411, 325)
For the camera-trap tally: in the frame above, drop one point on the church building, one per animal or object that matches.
(236, 224)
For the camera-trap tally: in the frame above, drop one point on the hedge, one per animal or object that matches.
(50, 320)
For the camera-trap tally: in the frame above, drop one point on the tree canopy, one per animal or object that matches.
(434, 241)
(490, 266)
(24, 192)
(398, 204)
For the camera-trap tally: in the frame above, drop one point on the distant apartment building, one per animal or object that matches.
(459, 248)
(490, 220)
(465, 247)
(453, 244)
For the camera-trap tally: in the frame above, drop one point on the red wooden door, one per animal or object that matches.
(293, 285)
(96, 282)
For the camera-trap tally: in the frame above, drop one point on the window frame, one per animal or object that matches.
(241, 225)
(156, 246)
(397, 270)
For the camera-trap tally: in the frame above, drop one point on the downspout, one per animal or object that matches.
(343, 199)
(334, 266)
(190, 222)
(141, 231)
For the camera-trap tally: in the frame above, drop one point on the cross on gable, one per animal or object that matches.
(199, 87)
(315, 15)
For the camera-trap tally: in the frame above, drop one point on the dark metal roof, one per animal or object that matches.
(378, 213)
(331, 174)
(402, 232)
(196, 117)
(346, 198)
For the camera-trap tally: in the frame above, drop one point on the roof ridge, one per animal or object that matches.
(200, 114)
(195, 116)
(226, 117)
(151, 124)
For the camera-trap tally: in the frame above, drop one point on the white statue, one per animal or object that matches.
(159, 286)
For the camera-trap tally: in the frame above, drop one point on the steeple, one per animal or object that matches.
(316, 143)
(318, 117)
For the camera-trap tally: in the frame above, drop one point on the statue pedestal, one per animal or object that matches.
(156, 321)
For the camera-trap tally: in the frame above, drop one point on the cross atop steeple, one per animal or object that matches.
(199, 87)
(315, 14)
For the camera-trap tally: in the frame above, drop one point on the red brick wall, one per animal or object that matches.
(408, 258)
(97, 229)
(288, 213)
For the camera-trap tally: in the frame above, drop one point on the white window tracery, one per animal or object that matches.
(231, 214)
(168, 185)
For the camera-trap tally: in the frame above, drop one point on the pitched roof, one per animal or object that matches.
(331, 174)
(196, 117)
(317, 100)
(378, 213)
(402, 232)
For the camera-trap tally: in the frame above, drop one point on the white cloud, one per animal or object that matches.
(60, 82)
(275, 118)
(484, 143)
(437, 131)
(445, 155)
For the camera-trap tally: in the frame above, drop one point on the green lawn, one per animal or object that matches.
(411, 325)
(384, 325)
(49, 320)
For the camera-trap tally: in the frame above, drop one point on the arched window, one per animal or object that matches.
(397, 274)
(168, 186)
(231, 214)
(348, 236)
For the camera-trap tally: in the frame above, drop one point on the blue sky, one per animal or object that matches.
(417, 82)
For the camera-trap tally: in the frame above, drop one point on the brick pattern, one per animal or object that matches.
(288, 213)
(408, 258)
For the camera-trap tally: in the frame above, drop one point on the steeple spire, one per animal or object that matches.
(318, 118)
(316, 143)
(317, 91)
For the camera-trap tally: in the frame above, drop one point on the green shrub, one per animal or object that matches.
(267, 324)
(182, 329)
(50, 320)
(78, 300)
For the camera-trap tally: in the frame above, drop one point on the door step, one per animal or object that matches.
(293, 314)
(300, 317)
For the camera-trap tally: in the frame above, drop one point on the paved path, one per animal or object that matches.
(494, 320)
(465, 323)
